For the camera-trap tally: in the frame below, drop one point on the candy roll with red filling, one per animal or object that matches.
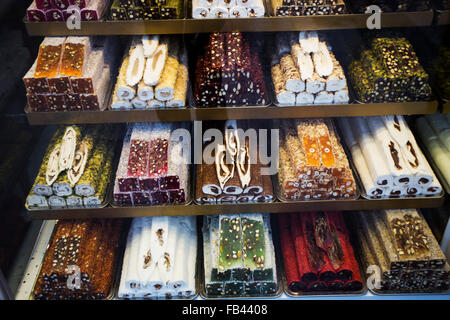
(34, 14)
(289, 257)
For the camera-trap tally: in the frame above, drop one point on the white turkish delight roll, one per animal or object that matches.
(201, 13)
(68, 146)
(246, 3)
(323, 97)
(336, 81)
(304, 98)
(238, 12)
(397, 191)
(412, 154)
(256, 10)
(132, 279)
(220, 12)
(226, 3)
(138, 103)
(315, 84)
(375, 160)
(122, 90)
(284, 97)
(62, 189)
(125, 292)
(341, 96)
(391, 151)
(441, 127)
(205, 3)
(433, 189)
(145, 93)
(121, 104)
(136, 65)
(309, 41)
(155, 104)
(291, 74)
(302, 61)
(150, 44)
(155, 65)
(323, 63)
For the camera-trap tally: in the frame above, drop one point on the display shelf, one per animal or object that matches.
(32, 271)
(442, 17)
(446, 107)
(256, 112)
(274, 207)
(186, 26)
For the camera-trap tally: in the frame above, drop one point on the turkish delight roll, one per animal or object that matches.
(291, 74)
(284, 97)
(122, 90)
(102, 182)
(93, 11)
(36, 201)
(49, 57)
(245, 263)
(160, 259)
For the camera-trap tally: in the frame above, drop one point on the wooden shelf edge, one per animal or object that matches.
(274, 207)
(191, 114)
(266, 24)
(443, 17)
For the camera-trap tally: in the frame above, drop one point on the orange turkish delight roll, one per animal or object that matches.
(49, 57)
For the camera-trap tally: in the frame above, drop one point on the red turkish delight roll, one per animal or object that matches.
(158, 158)
(289, 258)
(307, 273)
(169, 183)
(138, 159)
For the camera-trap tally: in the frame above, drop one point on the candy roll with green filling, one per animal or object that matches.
(56, 202)
(74, 201)
(35, 201)
(101, 184)
(41, 187)
(62, 187)
(94, 168)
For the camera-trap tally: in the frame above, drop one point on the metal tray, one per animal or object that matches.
(107, 199)
(434, 167)
(357, 248)
(115, 277)
(278, 259)
(281, 198)
(293, 294)
(197, 272)
(194, 185)
(189, 191)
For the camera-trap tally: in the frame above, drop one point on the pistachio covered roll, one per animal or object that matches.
(102, 182)
(86, 185)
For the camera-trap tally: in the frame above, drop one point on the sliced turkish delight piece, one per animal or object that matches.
(341, 96)
(34, 14)
(75, 53)
(37, 102)
(135, 13)
(54, 15)
(315, 84)
(56, 102)
(123, 199)
(73, 102)
(149, 184)
(141, 198)
(35, 85)
(60, 4)
(177, 196)
(128, 184)
(137, 162)
(304, 98)
(59, 85)
(159, 197)
(169, 183)
(49, 57)
(324, 97)
(94, 11)
(43, 4)
(92, 72)
(158, 158)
